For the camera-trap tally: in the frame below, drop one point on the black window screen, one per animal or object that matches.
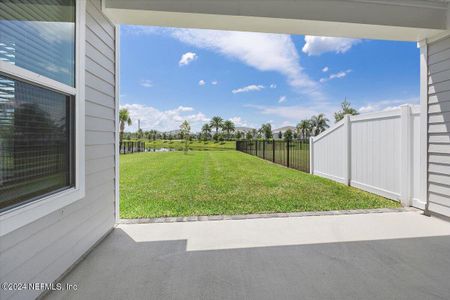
(36, 141)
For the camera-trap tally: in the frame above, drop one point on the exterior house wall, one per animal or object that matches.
(438, 97)
(43, 250)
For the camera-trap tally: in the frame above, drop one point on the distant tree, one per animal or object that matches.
(266, 130)
(248, 135)
(140, 133)
(238, 135)
(124, 118)
(319, 124)
(216, 122)
(346, 109)
(185, 130)
(288, 135)
(228, 127)
(206, 131)
(304, 128)
(164, 136)
(254, 133)
(280, 135)
(295, 135)
(216, 137)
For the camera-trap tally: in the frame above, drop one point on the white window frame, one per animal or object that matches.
(27, 213)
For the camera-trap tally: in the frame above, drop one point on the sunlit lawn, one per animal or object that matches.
(227, 182)
(201, 145)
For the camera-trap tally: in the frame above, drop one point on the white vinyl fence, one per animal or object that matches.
(376, 152)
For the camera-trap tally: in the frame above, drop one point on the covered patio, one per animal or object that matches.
(387, 255)
(75, 236)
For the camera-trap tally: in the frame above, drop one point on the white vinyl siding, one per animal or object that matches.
(439, 126)
(43, 250)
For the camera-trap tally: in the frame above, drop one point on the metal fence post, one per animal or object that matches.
(264, 149)
(273, 150)
(287, 153)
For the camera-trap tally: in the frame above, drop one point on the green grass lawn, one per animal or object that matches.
(227, 182)
(194, 145)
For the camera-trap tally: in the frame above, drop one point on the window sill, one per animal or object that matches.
(20, 216)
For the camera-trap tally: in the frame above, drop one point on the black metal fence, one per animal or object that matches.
(131, 147)
(293, 154)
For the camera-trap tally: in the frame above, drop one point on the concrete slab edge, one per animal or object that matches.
(268, 215)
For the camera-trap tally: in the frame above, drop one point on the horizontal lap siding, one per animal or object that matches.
(45, 249)
(439, 127)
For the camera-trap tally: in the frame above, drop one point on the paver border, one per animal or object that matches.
(265, 216)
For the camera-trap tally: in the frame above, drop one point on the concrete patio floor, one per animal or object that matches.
(401, 255)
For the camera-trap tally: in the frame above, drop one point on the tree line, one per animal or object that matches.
(218, 129)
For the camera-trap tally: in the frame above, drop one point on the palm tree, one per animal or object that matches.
(216, 122)
(304, 128)
(319, 124)
(124, 118)
(346, 109)
(206, 131)
(228, 126)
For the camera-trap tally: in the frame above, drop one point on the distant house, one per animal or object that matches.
(243, 129)
(277, 131)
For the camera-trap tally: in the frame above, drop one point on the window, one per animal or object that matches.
(38, 100)
(39, 36)
(36, 138)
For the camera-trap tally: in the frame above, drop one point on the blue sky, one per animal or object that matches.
(169, 75)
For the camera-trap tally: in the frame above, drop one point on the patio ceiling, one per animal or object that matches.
(406, 20)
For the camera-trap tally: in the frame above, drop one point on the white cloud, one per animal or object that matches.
(317, 45)
(153, 118)
(337, 75)
(56, 69)
(61, 32)
(295, 113)
(385, 105)
(248, 88)
(187, 58)
(214, 82)
(239, 122)
(146, 83)
(185, 108)
(262, 51)
(325, 69)
(282, 99)
(201, 82)
(273, 86)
